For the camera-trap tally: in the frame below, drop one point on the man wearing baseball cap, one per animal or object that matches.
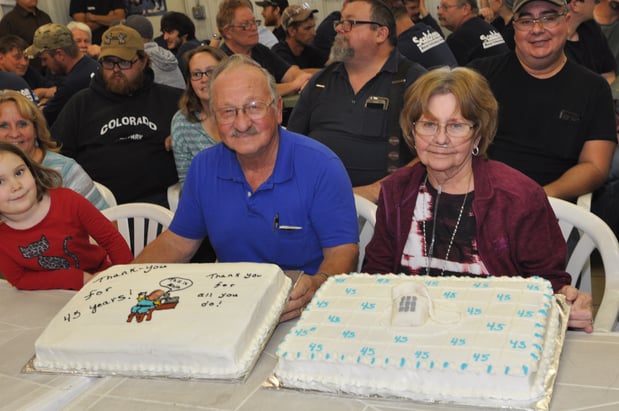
(117, 128)
(556, 120)
(297, 48)
(58, 52)
(272, 12)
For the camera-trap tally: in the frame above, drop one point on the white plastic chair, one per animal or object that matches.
(594, 234)
(366, 214)
(174, 195)
(107, 194)
(139, 223)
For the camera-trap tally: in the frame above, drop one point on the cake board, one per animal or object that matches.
(560, 312)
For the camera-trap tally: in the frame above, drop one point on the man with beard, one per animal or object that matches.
(272, 12)
(118, 129)
(58, 52)
(297, 49)
(353, 105)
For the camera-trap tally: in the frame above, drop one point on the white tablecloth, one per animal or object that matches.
(588, 376)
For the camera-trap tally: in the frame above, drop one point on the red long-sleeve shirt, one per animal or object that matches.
(57, 251)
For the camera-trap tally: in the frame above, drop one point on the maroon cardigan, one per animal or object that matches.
(517, 231)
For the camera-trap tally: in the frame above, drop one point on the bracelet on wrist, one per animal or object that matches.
(325, 275)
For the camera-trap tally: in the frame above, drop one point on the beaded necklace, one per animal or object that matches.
(430, 251)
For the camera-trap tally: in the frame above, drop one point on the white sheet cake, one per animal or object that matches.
(448, 339)
(172, 320)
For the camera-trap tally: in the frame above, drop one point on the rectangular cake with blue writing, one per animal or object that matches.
(447, 339)
(170, 320)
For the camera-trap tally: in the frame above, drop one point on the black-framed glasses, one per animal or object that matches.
(247, 25)
(347, 25)
(255, 110)
(109, 63)
(427, 128)
(547, 21)
(197, 75)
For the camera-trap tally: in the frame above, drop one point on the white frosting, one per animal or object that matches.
(345, 340)
(224, 314)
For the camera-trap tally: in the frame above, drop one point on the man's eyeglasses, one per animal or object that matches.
(347, 25)
(255, 110)
(426, 128)
(197, 75)
(247, 25)
(547, 21)
(446, 6)
(109, 63)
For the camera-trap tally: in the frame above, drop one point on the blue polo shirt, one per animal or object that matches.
(306, 205)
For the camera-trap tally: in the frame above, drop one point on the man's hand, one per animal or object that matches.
(301, 295)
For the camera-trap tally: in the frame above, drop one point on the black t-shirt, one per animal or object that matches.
(474, 39)
(424, 45)
(311, 57)
(544, 123)
(591, 50)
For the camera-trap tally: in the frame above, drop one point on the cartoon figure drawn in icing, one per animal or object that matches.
(158, 299)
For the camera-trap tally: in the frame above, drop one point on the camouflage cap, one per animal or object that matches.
(121, 41)
(296, 14)
(49, 37)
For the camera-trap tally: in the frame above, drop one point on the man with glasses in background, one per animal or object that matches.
(265, 194)
(53, 44)
(118, 128)
(556, 120)
(353, 105)
(239, 28)
(472, 37)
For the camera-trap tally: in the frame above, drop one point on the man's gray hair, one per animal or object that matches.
(236, 60)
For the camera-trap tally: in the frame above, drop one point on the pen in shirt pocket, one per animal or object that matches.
(277, 226)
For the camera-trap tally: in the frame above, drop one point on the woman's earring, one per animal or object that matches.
(475, 151)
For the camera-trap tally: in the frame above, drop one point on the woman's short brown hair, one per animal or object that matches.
(473, 95)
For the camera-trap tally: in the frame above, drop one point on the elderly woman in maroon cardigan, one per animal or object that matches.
(457, 213)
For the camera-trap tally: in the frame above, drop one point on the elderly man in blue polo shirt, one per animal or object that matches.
(265, 194)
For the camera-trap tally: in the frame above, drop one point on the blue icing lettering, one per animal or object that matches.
(489, 369)
(464, 366)
(358, 359)
(538, 335)
(402, 362)
(446, 364)
(312, 355)
(538, 325)
(534, 356)
(539, 347)
(339, 280)
(373, 360)
(284, 355)
(418, 364)
(298, 354)
(386, 360)
(507, 370)
(525, 369)
(431, 364)
(342, 357)
(543, 312)
(327, 356)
